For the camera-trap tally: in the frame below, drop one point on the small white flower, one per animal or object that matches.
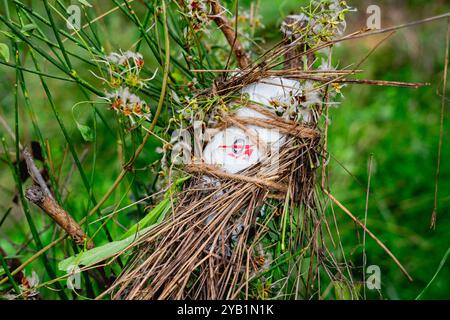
(325, 66)
(113, 57)
(128, 104)
(133, 55)
(33, 280)
(311, 95)
(131, 61)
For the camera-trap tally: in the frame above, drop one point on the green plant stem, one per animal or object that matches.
(80, 44)
(71, 73)
(58, 38)
(152, 125)
(8, 275)
(150, 42)
(16, 172)
(11, 65)
(441, 265)
(126, 167)
(68, 140)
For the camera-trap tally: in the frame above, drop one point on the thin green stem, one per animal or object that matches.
(9, 276)
(67, 138)
(152, 125)
(55, 31)
(15, 169)
(11, 65)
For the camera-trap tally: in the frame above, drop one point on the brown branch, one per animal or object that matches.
(293, 57)
(229, 33)
(39, 197)
(34, 172)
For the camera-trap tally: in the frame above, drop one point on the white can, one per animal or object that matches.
(232, 148)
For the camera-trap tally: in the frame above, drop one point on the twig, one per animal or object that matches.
(383, 83)
(41, 198)
(366, 209)
(291, 28)
(40, 195)
(360, 62)
(230, 35)
(368, 33)
(35, 174)
(441, 130)
(402, 26)
(217, 172)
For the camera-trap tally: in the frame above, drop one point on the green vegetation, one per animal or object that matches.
(54, 86)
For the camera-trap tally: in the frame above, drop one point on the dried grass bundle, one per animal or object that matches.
(211, 246)
(217, 242)
(208, 247)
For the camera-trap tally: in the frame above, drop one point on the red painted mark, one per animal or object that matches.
(248, 150)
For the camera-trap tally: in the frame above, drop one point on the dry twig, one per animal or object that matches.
(224, 25)
(39, 197)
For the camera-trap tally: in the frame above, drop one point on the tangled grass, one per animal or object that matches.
(244, 239)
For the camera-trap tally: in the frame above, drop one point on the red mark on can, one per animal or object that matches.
(240, 151)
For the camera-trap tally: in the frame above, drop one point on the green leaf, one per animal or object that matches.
(85, 3)
(4, 51)
(86, 132)
(150, 218)
(157, 213)
(98, 254)
(28, 27)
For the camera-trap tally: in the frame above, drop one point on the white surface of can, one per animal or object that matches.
(232, 149)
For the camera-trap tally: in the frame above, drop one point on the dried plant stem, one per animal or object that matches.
(214, 171)
(230, 34)
(40, 197)
(378, 241)
(283, 127)
(441, 129)
(402, 26)
(35, 173)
